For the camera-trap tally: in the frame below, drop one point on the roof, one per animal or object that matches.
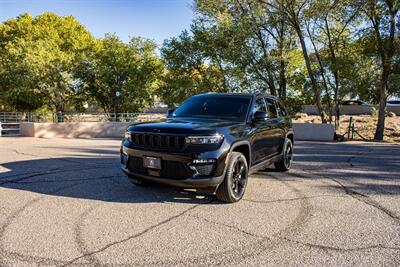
(239, 94)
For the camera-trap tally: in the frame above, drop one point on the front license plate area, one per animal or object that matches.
(152, 163)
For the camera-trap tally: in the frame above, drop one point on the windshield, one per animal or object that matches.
(214, 106)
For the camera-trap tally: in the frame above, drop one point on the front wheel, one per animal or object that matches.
(234, 185)
(287, 158)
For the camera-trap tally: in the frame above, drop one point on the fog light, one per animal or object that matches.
(124, 158)
(205, 167)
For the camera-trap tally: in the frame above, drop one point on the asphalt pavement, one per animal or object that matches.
(65, 202)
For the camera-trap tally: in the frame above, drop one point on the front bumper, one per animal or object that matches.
(192, 180)
(198, 182)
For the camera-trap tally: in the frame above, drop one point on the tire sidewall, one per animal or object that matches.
(288, 142)
(229, 175)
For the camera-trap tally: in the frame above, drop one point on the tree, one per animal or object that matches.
(328, 24)
(38, 56)
(256, 42)
(383, 21)
(294, 11)
(134, 67)
(188, 70)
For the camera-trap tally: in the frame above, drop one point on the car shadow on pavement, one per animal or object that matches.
(94, 178)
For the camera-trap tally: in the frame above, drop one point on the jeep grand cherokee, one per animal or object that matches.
(211, 142)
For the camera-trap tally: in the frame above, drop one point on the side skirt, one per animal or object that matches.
(265, 163)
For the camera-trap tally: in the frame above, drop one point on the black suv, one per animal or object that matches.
(211, 142)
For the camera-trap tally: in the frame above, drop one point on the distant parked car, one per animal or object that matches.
(354, 103)
(393, 103)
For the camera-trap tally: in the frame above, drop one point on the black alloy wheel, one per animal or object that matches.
(287, 158)
(234, 185)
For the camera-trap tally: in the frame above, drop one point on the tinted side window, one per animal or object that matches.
(271, 108)
(259, 105)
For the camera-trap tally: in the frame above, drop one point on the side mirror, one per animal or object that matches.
(260, 116)
(170, 112)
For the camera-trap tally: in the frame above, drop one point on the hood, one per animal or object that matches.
(199, 126)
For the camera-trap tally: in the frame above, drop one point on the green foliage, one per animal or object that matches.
(134, 68)
(38, 56)
(188, 70)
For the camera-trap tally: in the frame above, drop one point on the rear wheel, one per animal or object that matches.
(287, 158)
(234, 185)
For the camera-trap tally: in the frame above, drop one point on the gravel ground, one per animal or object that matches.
(64, 202)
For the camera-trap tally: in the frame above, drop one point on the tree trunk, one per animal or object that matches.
(282, 79)
(314, 85)
(282, 65)
(59, 113)
(386, 51)
(271, 83)
(335, 74)
(322, 71)
(380, 127)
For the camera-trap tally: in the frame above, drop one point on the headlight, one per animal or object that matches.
(207, 139)
(127, 135)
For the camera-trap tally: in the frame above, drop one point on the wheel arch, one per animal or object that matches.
(244, 148)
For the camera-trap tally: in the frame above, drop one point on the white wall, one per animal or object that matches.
(303, 131)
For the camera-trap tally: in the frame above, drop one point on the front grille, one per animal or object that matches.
(169, 169)
(158, 141)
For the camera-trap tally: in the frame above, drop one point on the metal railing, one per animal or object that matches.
(9, 129)
(16, 117)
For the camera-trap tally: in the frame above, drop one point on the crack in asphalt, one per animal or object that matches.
(368, 201)
(57, 170)
(64, 180)
(255, 248)
(229, 226)
(319, 246)
(290, 199)
(350, 192)
(339, 249)
(17, 213)
(92, 253)
(356, 195)
(54, 158)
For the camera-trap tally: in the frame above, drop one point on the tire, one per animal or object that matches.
(138, 182)
(234, 185)
(287, 158)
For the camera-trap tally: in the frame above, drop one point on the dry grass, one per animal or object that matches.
(364, 124)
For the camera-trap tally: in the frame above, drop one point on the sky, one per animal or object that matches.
(153, 19)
